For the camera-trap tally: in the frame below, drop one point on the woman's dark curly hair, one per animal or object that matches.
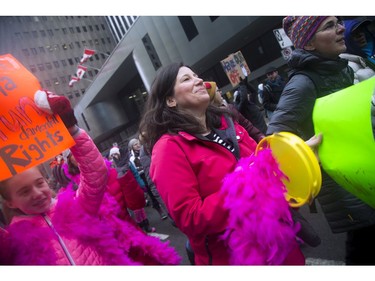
(159, 119)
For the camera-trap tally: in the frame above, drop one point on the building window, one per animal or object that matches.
(78, 44)
(48, 83)
(103, 27)
(56, 81)
(71, 46)
(49, 48)
(56, 64)
(63, 62)
(18, 35)
(90, 73)
(77, 59)
(84, 44)
(64, 46)
(50, 32)
(189, 27)
(78, 29)
(56, 47)
(71, 29)
(90, 28)
(151, 51)
(84, 28)
(97, 27)
(63, 79)
(41, 67)
(77, 94)
(48, 65)
(91, 43)
(33, 68)
(71, 62)
(42, 50)
(103, 41)
(64, 30)
(26, 35)
(42, 33)
(125, 22)
(35, 34)
(33, 51)
(109, 40)
(26, 52)
(97, 56)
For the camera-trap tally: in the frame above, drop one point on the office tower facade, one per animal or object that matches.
(51, 47)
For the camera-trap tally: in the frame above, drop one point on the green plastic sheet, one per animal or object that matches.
(347, 152)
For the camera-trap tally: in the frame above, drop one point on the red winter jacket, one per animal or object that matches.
(188, 173)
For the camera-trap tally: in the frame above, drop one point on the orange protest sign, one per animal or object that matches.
(28, 136)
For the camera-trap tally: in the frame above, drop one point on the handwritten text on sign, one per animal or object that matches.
(235, 67)
(28, 136)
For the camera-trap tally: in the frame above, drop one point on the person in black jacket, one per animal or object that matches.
(317, 71)
(247, 106)
(272, 90)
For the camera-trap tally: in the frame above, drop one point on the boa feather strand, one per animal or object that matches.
(261, 230)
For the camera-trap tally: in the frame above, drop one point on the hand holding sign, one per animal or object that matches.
(28, 136)
(54, 104)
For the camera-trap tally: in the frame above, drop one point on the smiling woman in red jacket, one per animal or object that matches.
(194, 146)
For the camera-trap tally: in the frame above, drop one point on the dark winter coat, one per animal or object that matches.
(272, 92)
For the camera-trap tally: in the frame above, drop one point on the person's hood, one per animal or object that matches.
(351, 46)
(304, 60)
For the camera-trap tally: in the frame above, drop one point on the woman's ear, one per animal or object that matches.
(171, 102)
(310, 46)
(9, 204)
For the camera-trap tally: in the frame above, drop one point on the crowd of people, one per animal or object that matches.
(190, 141)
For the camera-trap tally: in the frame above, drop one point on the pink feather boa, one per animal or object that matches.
(261, 230)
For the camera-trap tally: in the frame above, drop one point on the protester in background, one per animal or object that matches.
(355, 40)
(360, 41)
(131, 187)
(194, 146)
(145, 159)
(217, 99)
(247, 107)
(74, 229)
(272, 89)
(317, 71)
(134, 147)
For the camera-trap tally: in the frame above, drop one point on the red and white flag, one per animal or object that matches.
(81, 70)
(86, 55)
(73, 80)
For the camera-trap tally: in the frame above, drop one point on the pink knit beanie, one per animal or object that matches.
(301, 29)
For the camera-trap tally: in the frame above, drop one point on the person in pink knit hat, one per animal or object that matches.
(317, 70)
(80, 227)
